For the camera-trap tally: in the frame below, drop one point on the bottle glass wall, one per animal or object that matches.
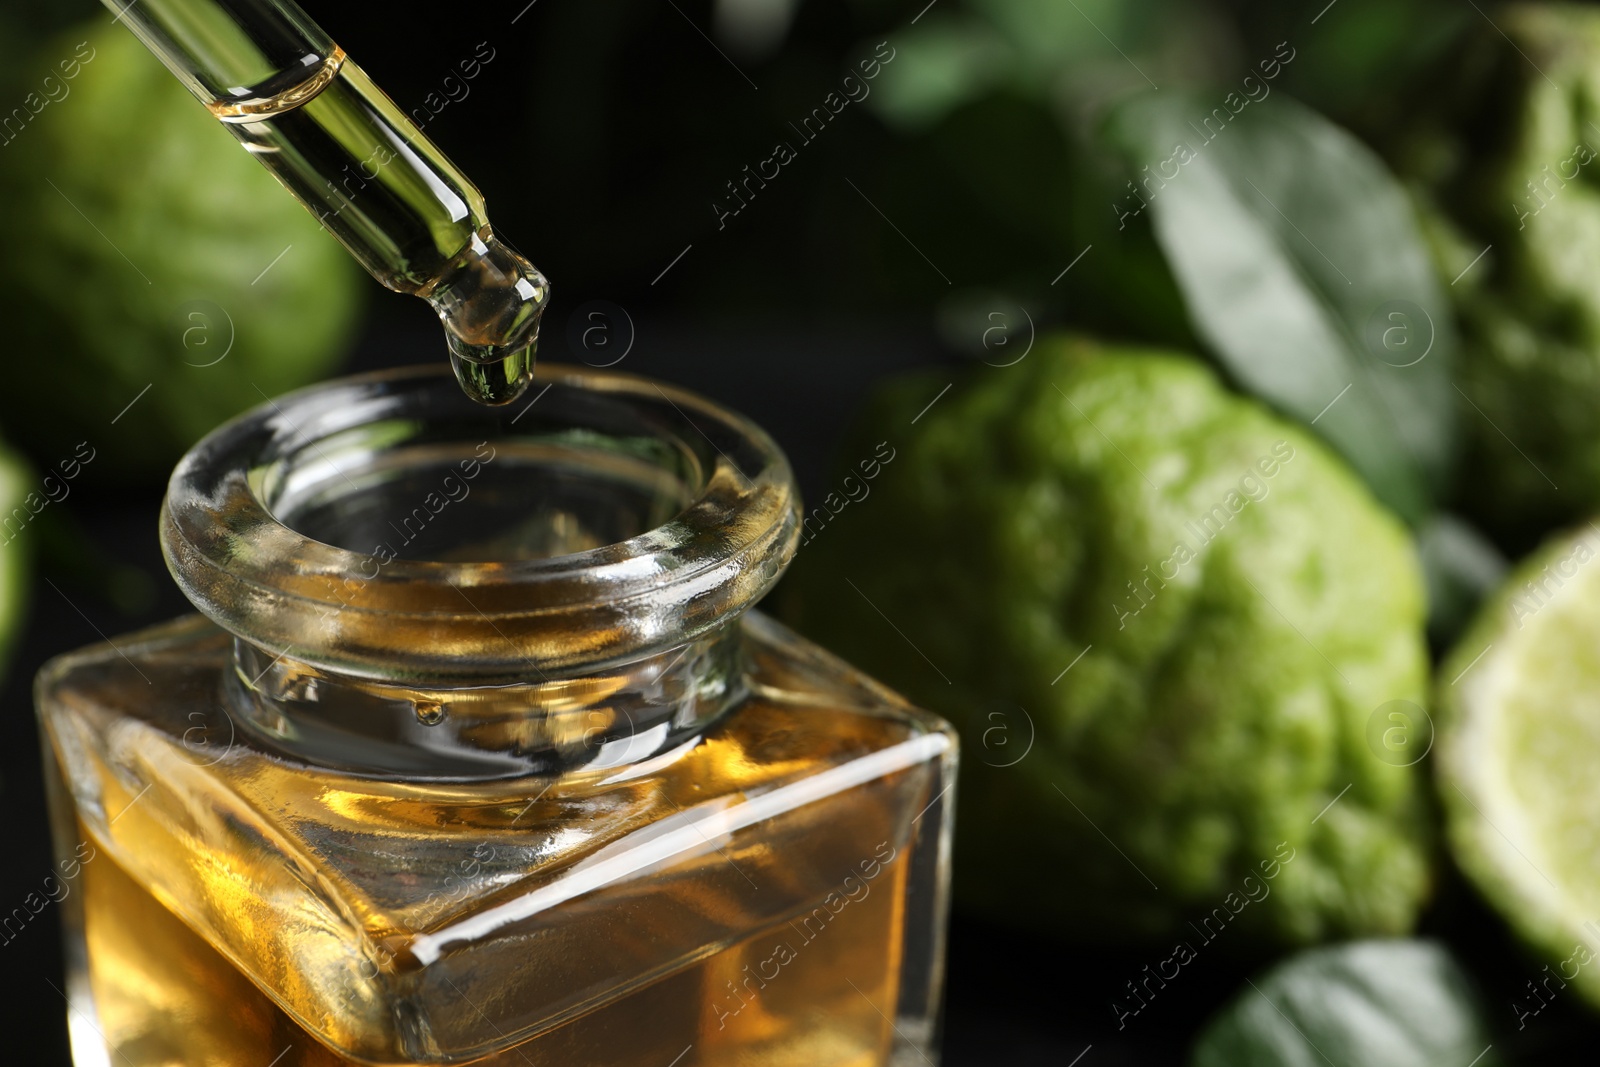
(475, 752)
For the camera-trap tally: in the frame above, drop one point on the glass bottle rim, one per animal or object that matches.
(235, 502)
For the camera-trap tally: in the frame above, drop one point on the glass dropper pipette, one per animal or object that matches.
(369, 175)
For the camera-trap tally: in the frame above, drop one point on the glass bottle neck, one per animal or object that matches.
(614, 720)
(422, 586)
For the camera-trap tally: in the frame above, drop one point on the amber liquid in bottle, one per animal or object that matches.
(167, 997)
(816, 984)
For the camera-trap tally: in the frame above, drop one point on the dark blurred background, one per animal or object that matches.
(932, 223)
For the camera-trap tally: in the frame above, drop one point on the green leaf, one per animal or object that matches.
(1372, 1003)
(1304, 271)
(1067, 55)
(936, 68)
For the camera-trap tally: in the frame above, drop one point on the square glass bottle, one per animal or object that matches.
(476, 753)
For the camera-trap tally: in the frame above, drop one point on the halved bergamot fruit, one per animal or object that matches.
(1519, 752)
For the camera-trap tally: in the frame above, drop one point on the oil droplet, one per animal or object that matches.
(499, 382)
(490, 301)
(429, 712)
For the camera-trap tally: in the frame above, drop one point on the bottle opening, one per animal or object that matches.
(388, 528)
(392, 488)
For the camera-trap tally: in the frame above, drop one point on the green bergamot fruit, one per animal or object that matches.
(1165, 622)
(1519, 738)
(1518, 239)
(143, 249)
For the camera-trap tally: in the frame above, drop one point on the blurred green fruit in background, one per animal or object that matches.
(1165, 622)
(1521, 188)
(146, 248)
(1519, 740)
(20, 501)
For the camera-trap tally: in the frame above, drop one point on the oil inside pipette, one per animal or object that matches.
(402, 209)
